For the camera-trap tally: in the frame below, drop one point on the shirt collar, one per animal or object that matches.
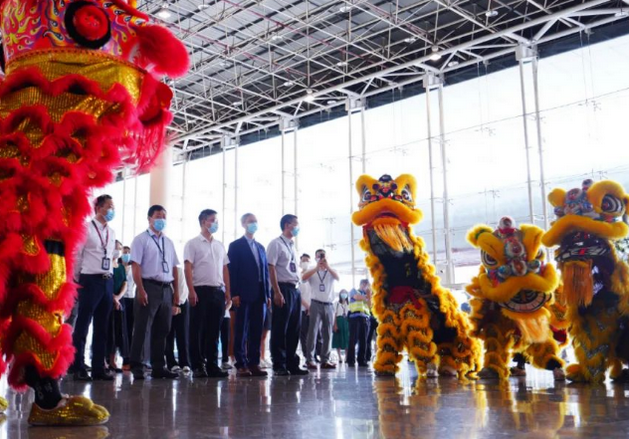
(152, 233)
(99, 224)
(288, 241)
(202, 238)
(249, 240)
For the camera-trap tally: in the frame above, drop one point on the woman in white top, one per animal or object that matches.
(340, 340)
(127, 300)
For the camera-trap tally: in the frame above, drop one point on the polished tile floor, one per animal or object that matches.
(347, 403)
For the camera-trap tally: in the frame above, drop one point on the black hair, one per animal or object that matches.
(155, 208)
(321, 250)
(101, 200)
(126, 247)
(205, 214)
(287, 219)
(305, 255)
(341, 300)
(245, 217)
(364, 281)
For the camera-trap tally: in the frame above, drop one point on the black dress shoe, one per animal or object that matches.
(351, 364)
(200, 373)
(217, 373)
(164, 374)
(363, 364)
(138, 373)
(82, 375)
(281, 372)
(102, 375)
(298, 371)
(257, 372)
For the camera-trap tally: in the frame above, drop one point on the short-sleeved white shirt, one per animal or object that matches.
(322, 280)
(281, 254)
(208, 259)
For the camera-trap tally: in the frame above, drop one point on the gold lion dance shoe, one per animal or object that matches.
(71, 411)
(4, 404)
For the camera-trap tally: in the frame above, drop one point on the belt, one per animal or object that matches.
(322, 303)
(288, 284)
(158, 283)
(209, 286)
(99, 276)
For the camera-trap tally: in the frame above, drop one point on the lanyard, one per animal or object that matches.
(324, 275)
(292, 254)
(106, 241)
(162, 248)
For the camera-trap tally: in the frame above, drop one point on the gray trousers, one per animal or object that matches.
(152, 322)
(320, 314)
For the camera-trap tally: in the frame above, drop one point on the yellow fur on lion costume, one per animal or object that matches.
(512, 300)
(596, 281)
(413, 310)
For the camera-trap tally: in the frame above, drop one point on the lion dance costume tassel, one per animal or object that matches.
(80, 97)
(414, 312)
(596, 287)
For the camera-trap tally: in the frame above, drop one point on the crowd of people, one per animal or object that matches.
(166, 317)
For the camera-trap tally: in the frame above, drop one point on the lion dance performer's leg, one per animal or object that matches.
(545, 355)
(389, 344)
(498, 351)
(418, 335)
(593, 338)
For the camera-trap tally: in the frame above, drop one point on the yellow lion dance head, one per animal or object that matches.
(514, 272)
(589, 220)
(387, 207)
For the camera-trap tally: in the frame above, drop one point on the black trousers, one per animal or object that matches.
(225, 339)
(180, 331)
(152, 322)
(95, 301)
(285, 329)
(205, 326)
(371, 337)
(128, 310)
(358, 332)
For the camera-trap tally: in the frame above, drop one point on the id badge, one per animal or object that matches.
(293, 267)
(165, 267)
(105, 263)
(322, 288)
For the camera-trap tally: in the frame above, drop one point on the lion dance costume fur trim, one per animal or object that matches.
(81, 96)
(513, 309)
(413, 310)
(596, 281)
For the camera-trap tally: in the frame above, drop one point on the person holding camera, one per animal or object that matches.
(321, 279)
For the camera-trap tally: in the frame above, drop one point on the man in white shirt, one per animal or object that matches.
(207, 277)
(284, 277)
(94, 272)
(154, 263)
(321, 279)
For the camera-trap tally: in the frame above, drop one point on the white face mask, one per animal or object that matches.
(116, 255)
(304, 265)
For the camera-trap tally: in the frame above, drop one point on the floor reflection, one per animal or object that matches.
(347, 403)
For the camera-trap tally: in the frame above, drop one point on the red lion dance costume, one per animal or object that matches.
(81, 95)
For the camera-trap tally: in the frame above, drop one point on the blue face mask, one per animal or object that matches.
(213, 228)
(295, 232)
(343, 296)
(126, 258)
(159, 224)
(109, 216)
(252, 228)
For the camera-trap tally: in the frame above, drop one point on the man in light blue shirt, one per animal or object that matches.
(154, 264)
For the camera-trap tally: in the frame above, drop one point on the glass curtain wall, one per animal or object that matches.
(583, 103)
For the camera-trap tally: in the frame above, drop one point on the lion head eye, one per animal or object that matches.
(406, 195)
(366, 195)
(612, 205)
(488, 260)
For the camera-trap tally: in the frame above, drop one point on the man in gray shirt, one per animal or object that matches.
(157, 293)
(284, 277)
